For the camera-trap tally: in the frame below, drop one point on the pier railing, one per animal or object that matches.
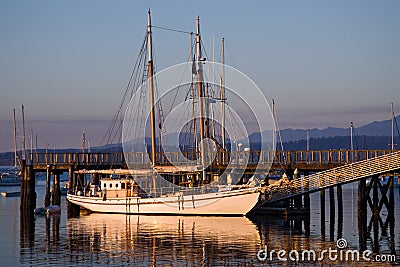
(305, 157)
(61, 158)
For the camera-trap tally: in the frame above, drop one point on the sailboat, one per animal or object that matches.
(167, 175)
(12, 177)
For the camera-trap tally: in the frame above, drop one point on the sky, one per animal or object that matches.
(326, 63)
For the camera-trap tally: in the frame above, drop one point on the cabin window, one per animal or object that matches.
(110, 185)
(105, 185)
(116, 185)
(122, 185)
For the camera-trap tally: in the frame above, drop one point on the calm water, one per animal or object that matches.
(119, 240)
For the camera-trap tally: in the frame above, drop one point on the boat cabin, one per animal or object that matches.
(116, 188)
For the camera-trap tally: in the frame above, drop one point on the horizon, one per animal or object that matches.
(325, 63)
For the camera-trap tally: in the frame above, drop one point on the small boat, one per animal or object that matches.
(52, 209)
(11, 194)
(12, 177)
(9, 179)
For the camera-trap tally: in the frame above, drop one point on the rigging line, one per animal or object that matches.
(133, 85)
(108, 135)
(180, 84)
(215, 81)
(170, 29)
(230, 55)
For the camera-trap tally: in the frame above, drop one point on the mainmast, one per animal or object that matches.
(15, 141)
(151, 90)
(200, 93)
(193, 89)
(222, 95)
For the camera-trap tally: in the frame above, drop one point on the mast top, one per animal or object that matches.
(149, 41)
(197, 25)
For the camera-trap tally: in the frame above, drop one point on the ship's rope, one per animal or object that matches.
(116, 123)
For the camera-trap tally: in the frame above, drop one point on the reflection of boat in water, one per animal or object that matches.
(186, 184)
(163, 240)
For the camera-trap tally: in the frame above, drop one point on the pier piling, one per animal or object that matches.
(339, 193)
(72, 209)
(331, 213)
(322, 203)
(47, 194)
(56, 196)
(28, 203)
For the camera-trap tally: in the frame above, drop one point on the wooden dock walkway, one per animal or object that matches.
(336, 176)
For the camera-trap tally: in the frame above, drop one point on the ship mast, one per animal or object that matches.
(23, 132)
(200, 94)
(222, 95)
(392, 114)
(151, 90)
(15, 141)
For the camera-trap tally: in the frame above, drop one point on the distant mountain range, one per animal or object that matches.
(376, 128)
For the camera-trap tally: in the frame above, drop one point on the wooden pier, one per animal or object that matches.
(329, 167)
(304, 160)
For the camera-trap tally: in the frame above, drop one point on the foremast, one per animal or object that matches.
(200, 93)
(151, 89)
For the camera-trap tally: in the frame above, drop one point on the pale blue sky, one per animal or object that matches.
(325, 63)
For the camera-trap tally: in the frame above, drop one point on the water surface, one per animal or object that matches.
(117, 240)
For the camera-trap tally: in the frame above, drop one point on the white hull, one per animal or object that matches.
(234, 202)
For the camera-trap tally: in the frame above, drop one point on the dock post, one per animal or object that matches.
(307, 201)
(298, 199)
(362, 214)
(56, 199)
(72, 209)
(375, 196)
(47, 194)
(339, 193)
(28, 204)
(391, 219)
(71, 177)
(322, 203)
(332, 213)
